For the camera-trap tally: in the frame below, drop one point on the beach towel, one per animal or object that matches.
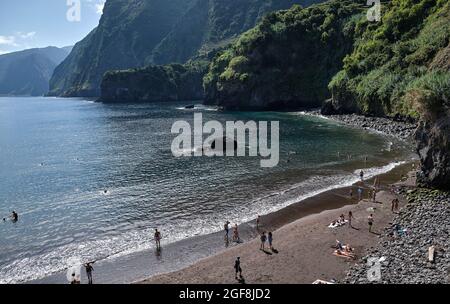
(319, 282)
(337, 224)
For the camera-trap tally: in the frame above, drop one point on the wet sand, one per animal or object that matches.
(304, 245)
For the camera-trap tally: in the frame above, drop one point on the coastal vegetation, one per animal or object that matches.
(138, 33)
(287, 60)
(171, 82)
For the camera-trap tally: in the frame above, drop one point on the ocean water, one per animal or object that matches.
(59, 156)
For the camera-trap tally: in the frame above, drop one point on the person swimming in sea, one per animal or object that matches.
(14, 216)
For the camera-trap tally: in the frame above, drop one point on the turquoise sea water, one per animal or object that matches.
(59, 156)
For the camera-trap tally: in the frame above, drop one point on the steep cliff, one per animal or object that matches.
(127, 33)
(285, 62)
(214, 23)
(137, 33)
(400, 66)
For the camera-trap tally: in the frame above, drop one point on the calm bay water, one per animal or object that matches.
(59, 156)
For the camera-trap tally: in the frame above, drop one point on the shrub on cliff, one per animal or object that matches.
(286, 61)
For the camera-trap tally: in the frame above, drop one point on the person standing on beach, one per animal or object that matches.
(270, 239)
(158, 239)
(360, 193)
(226, 227)
(350, 193)
(370, 222)
(396, 204)
(350, 217)
(89, 269)
(236, 234)
(258, 221)
(361, 174)
(237, 267)
(263, 241)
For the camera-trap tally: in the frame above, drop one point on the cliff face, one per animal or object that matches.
(286, 62)
(137, 33)
(174, 82)
(400, 66)
(127, 33)
(210, 24)
(433, 147)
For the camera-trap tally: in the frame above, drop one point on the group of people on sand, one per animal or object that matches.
(266, 239)
(344, 250)
(76, 280)
(14, 217)
(236, 238)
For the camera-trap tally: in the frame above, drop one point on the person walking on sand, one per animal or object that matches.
(236, 233)
(370, 222)
(226, 227)
(396, 204)
(393, 205)
(360, 193)
(158, 239)
(237, 267)
(258, 222)
(89, 269)
(350, 217)
(270, 239)
(350, 193)
(263, 241)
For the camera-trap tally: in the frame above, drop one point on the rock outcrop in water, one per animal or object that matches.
(174, 82)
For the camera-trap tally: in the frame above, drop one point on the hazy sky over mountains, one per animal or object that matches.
(28, 24)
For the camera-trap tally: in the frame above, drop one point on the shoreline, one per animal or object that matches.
(302, 238)
(182, 254)
(316, 209)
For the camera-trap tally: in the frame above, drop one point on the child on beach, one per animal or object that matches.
(370, 222)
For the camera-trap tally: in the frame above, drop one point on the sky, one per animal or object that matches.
(28, 24)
